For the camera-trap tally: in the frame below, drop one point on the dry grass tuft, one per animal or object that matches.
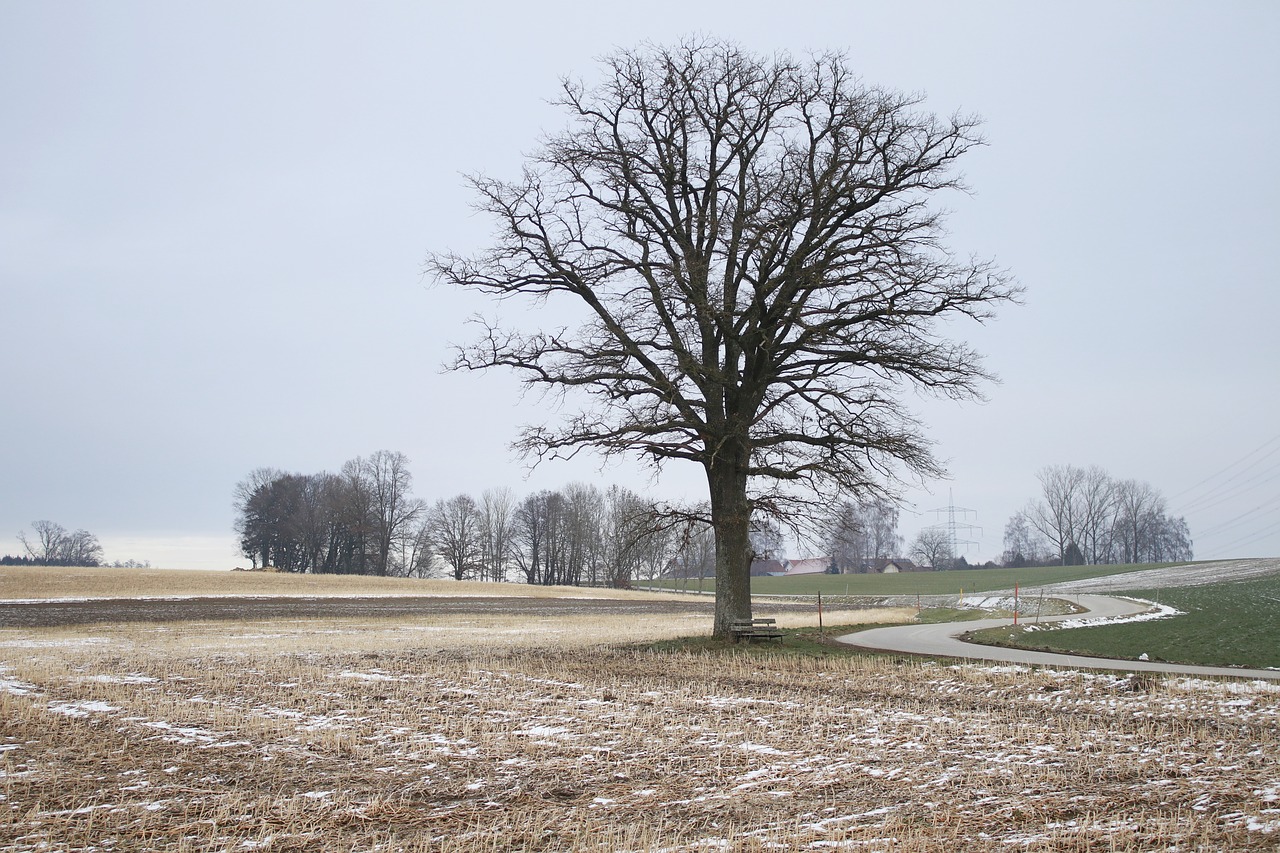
(453, 735)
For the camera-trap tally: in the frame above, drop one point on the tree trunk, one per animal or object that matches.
(731, 519)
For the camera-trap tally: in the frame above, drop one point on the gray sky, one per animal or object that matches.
(213, 219)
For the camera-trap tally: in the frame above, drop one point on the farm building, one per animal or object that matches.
(823, 565)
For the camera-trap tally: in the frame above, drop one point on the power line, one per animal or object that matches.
(1252, 537)
(1219, 472)
(1239, 519)
(1236, 495)
(1215, 495)
(1246, 475)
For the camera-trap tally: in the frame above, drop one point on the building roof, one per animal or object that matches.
(809, 566)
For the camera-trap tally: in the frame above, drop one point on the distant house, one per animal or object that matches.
(785, 567)
(893, 566)
(761, 568)
(821, 565)
(809, 566)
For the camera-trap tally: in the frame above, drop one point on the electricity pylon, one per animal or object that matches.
(953, 527)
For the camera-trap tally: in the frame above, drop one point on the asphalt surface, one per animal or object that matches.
(943, 640)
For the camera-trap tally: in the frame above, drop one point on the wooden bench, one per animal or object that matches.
(755, 629)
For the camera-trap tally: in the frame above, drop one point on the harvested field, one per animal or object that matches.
(56, 582)
(472, 733)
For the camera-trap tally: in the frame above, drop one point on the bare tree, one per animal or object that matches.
(360, 521)
(392, 509)
(1143, 530)
(581, 534)
(1023, 545)
(932, 547)
(455, 530)
(697, 554)
(751, 242)
(857, 533)
(655, 546)
(44, 546)
(531, 536)
(767, 540)
(418, 560)
(632, 539)
(1056, 516)
(497, 525)
(52, 545)
(81, 548)
(1096, 497)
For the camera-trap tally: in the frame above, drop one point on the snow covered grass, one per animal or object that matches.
(289, 736)
(1226, 624)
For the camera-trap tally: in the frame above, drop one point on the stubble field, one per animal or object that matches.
(489, 732)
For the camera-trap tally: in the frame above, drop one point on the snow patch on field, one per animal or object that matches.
(132, 678)
(81, 709)
(53, 644)
(14, 686)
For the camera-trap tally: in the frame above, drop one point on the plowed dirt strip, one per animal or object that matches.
(590, 749)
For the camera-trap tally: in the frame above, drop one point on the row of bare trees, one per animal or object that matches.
(1084, 516)
(581, 534)
(365, 520)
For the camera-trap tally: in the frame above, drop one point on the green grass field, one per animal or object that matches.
(917, 583)
(1228, 624)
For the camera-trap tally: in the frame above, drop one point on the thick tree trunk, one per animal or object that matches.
(731, 518)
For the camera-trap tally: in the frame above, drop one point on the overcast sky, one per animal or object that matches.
(213, 219)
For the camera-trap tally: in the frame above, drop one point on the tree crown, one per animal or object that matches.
(760, 268)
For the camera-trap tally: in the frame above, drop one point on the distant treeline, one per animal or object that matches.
(365, 520)
(11, 560)
(1085, 516)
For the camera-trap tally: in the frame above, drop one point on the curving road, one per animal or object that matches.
(943, 640)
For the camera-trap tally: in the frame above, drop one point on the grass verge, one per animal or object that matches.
(1228, 624)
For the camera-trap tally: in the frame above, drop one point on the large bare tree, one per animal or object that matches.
(756, 274)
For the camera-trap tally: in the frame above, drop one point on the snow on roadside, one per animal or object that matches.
(1157, 611)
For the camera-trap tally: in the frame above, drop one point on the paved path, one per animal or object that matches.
(942, 640)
